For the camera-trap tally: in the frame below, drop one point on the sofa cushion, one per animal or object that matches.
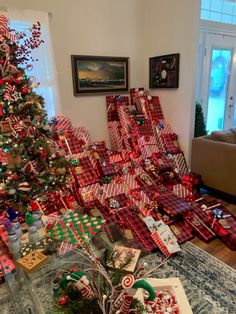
(227, 136)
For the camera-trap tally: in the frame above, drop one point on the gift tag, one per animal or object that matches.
(224, 224)
(95, 212)
(128, 234)
(78, 170)
(196, 222)
(175, 230)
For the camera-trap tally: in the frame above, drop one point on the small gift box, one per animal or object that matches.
(135, 94)
(142, 127)
(115, 135)
(124, 116)
(140, 199)
(181, 230)
(106, 191)
(144, 179)
(112, 114)
(148, 146)
(89, 193)
(117, 202)
(151, 108)
(85, 173)
(161, 127)
(162, 236)
(169, 179)
(160, 161)
(190, 179)
(172, 204)
(169, 143)
(179, 162)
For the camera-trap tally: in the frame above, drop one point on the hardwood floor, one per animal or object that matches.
(216, 247)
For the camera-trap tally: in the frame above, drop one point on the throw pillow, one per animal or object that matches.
(228, 136)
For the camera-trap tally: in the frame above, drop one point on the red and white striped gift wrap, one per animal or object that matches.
(139, 198)
(106, 191)
(179, 162)
(82, 134)
(181, 191)
(115, 135)
(148, 146)
(129, 179)
(124, 116)
(161, 127)
(89, 193)
(63, 123)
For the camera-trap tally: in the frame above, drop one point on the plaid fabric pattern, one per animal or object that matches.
(169, 143)
(172, 204)
(121, 199)
(122, 101)
(131, 220)
(98, 207)
(144, 179)
(112, 114)
(148, 146)
(179, 162)
(71, 143)
(115, 135)
(151, 108)
(143, 129)
(169, 179)
(98, 145)
(182, 231)
(196, 218)
(160, 161)
(162, 127)
(104, 166)
(84, 173)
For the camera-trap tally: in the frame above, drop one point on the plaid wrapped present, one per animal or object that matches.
(122, 101)
(181, 230)
(96, 209)
(161, 127)
(112, 114)
(142, 237)
(172, 204)
(196, 219)
(85, 173)
(142, 127)
(148, 146)
(162, 236)
(67, 140)
(103, 164)
(140, 199)
(114, 157)
(169, 143)
(222, 222)
(161, 162)
(117, 202)
(98, 145)
(144, 179)
(190, 179)
(115, 135)
(179, 162)
(150, 169)
(151, 108)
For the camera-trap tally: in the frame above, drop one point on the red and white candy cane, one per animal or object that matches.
(127, 299)
(86, 292)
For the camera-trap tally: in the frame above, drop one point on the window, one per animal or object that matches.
(43, 70)
(223, 11)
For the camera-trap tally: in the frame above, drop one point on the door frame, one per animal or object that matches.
(209, 27)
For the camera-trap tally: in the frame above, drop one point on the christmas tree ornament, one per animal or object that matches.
(29, 219)
(24, 187)
(11, 214)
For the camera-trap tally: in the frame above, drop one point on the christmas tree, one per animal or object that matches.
(200, 126)
(30, 163)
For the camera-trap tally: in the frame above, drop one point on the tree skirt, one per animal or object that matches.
(209, 284)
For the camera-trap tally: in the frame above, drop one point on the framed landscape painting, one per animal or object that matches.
(104, 75)
(164, 71)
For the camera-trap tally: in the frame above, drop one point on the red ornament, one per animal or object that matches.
(24, 90)
(1, 81)
(63, 300)
(34, 206)
(14, 177)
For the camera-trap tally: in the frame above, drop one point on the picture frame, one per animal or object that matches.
(164, 71)
(99, 74)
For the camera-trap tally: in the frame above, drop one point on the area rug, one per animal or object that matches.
(209, 284)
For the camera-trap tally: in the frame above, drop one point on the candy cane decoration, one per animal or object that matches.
(127, 281)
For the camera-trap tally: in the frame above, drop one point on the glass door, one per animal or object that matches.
(219, 82)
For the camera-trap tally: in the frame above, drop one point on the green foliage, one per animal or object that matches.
(200, 126)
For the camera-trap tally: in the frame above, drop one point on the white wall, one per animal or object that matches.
(137, 29)
(89, 27)
(171, 26)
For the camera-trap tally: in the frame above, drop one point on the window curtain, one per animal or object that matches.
(43, 70)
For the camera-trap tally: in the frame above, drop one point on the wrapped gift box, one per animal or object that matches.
(148, 146)
(197, 220)
(89, 193)
(104, 166)
(144, 179)
(179, 162)
(135, 94)
(85, 173)
(181, 191)
(169, 143)
(161, 162)
(96, 209)
(98, 145)
(172, 204)
(150, 169)
(112, 114)
(106, 191)
(140, 199)
(151, 108)
(170, 287)
(82, 135)
(130, 181)
(142, 127)
(161, 127)
(162, 236)
(142, 237)
(124, 116)
(181, 230)
(169, 179)
(190, 180)
(117, 202)
(115, 135)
